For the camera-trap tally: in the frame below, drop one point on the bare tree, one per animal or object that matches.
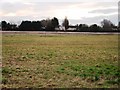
(65, 23)
(107, 24)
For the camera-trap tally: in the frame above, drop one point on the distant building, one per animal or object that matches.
(60, 28)
(70, 27)
(73, 27)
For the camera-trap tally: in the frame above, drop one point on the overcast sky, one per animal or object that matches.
(77, 11)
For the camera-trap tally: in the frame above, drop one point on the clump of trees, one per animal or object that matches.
(30, 25)
(7, 26)
(95, 27)
(48, 24)
(106, 26)
(83, 27)
(52, 24)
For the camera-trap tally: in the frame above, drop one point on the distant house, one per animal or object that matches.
(60, 28)
(115, 28)
(70, 28)
(73, 27)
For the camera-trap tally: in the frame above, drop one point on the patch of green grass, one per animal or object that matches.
(6, 70)
(95, 72)
(113, 81)
(4, 80)
(33, 60)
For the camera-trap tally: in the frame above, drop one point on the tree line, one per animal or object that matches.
(53, 25)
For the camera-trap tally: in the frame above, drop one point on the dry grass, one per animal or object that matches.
(60, 61)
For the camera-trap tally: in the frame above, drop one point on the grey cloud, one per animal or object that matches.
(98, 19)
(105, 11)
(97, 4)
(106, 4)
(51, 5)
(37, 7)
(41, 7)
(12, 7)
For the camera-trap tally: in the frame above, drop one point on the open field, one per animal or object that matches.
(33, 60)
